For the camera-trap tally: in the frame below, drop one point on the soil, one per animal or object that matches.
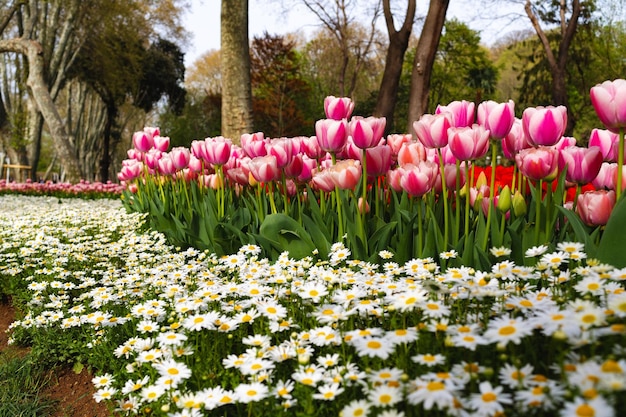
(73, 393)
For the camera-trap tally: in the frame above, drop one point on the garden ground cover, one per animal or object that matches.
(184, 333)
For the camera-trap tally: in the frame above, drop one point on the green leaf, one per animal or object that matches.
(78, 367)
(288, 234)
(581, 231)
(613, 241)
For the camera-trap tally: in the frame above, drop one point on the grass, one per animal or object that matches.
(21, 384)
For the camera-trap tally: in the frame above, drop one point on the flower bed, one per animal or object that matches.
(187, 333)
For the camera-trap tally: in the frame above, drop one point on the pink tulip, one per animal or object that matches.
(180, 157)
(609, 101)
(396, 141)
(606, 176)
(294, 168)
(607, 141)
(238, 175)
(367, 132)
(309, 166)
(378, 160)
(350, 151)
(582, 164)
(217, 150)
(450, 173)
(565, 142)
(253, 144)
(462, 112)
(282, 149)
(394, 178)
(322, 180)
(337, 108)
(143, 141)
(131, 169)
(311, 147)
(331, 134)
(151, 158)
(418, 180)
(411, 153)
(468, 143)
(497, 118)
(198, 149)
(264, 168)
(595, 207)
(152, 131)
(165, 165)
(538, 163)
(515, 140)
(162, 143)
(544, 126)
(195, 164)
(134, 154)
(432, 130)
(346, 174)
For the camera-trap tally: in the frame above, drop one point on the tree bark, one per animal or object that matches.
(235, 65)
(558, 63)
(41, 96)
(398, 44)
(425, 58)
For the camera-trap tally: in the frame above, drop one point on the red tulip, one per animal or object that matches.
(462, 112)
(432, 130)
(497, 118)
(468, 143)
(544, 126)
(582, 164)
(538, 163)
(337, 108)
(595, 207)
(609, 101)
(607, 141)
(331, 134)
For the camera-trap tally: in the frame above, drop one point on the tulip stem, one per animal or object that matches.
(492, 192)
(363, 191)
(339, 215)
(469, 183)
(457, 191)
(548, 211)
(444, 193)
(620, 164)
(539, 188)
(420, 230)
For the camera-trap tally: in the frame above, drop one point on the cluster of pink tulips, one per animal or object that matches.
(352, 153)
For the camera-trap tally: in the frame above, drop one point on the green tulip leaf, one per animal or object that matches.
(613, 241)
(287, 234)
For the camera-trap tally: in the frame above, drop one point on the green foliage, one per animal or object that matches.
(21, 380)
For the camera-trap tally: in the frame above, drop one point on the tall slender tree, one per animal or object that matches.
(235, 66)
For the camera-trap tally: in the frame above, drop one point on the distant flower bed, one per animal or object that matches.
(82, 189)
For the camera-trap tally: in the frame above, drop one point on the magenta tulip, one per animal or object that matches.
(309, 166)
(254, 144)
(337, 108)
(294, 168)
(264, 168)
(607, 141)
(609, 102)
(367, 132)
(180, 157)
(565, 142)
(419, 179)
(238, 175)
(131, 169)
(581, 164)
(331, 134)
(378, 160)
(515, 140)
(282, 149)
(468, 143)
(432, 130)
(595, 207)
(217, 150)
(143, 141)
(311, 147)
(540, 163)
(151, 158)
(544, 126)
(462, 112)
(161, 143)
(497, 118)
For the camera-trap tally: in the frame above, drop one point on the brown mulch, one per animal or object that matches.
(72, 392)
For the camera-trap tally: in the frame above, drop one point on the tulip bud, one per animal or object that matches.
(363, 209)
(519, 204)
(504, 199)
(481, 180)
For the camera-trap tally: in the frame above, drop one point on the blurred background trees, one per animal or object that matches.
(110, 67)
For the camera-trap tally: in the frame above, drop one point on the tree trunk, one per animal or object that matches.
(41, 96)
(398, 44)
(235, 66)
(425, 58)
(558, 63)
